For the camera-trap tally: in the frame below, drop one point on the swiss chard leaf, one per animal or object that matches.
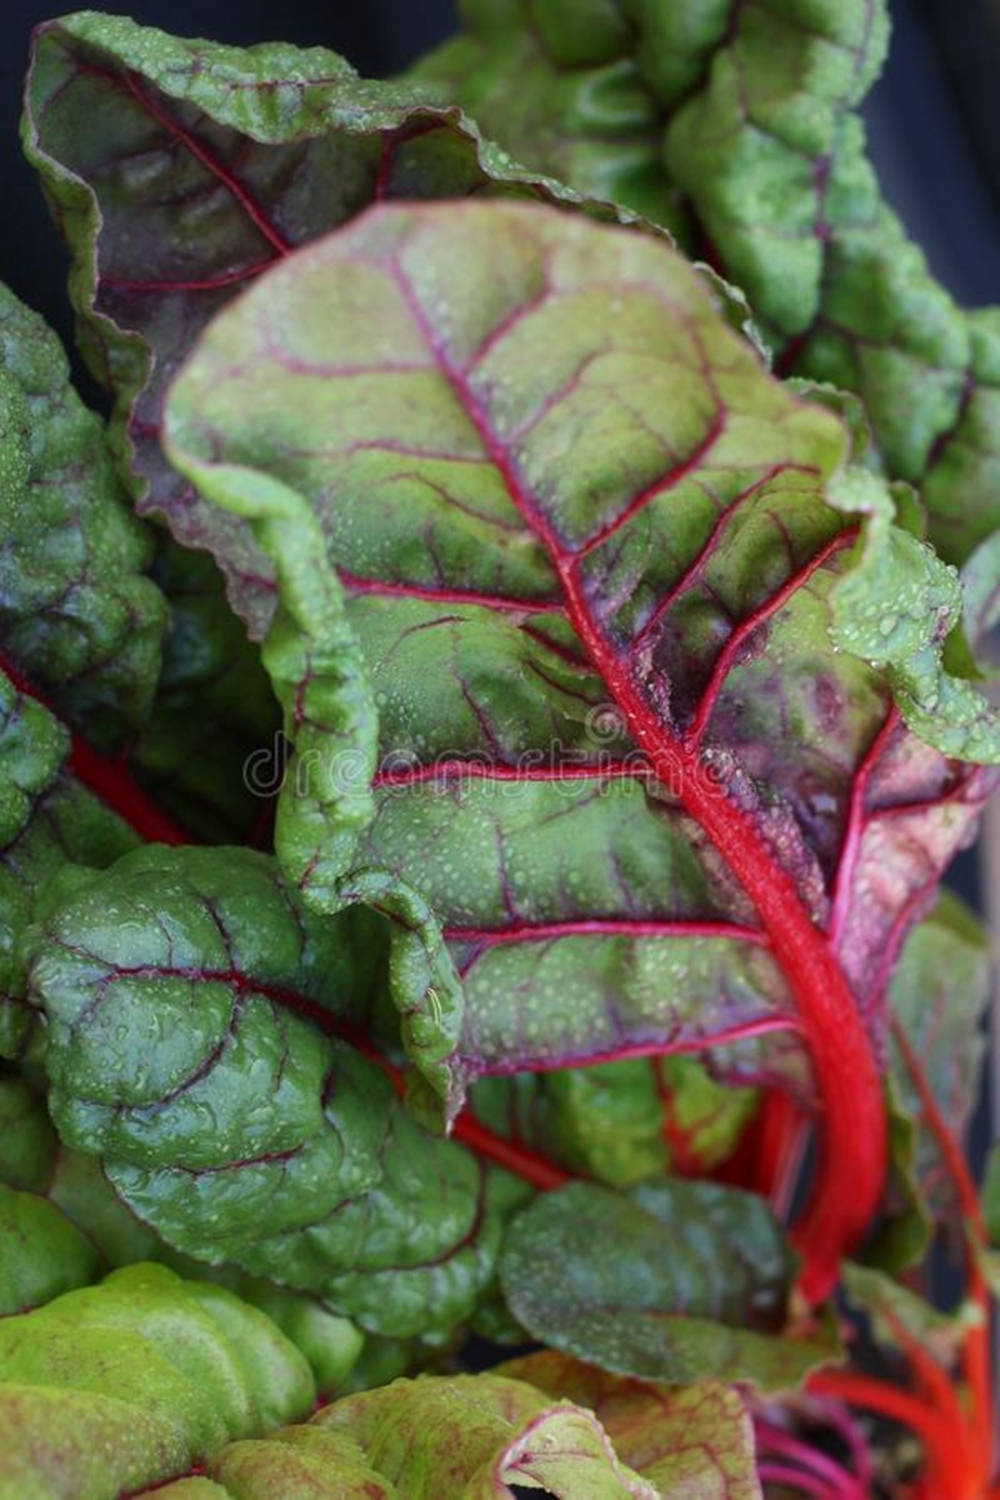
(76, 611)
(231, 1124)
(676, 1282)
(463, 1436)
(592, 566)
(178, 169)
(620, 1122)
(80, 1229)
(686, 1440)
(938, 996)
(737, 126)
(47, 819)
(140, 1377)
(209, 751)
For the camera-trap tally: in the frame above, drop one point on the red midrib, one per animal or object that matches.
(849, 1179)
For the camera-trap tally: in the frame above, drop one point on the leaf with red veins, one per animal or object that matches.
(49, 817)
(696, 1440)
(203, 1043)
(613, 867)
(177, 170)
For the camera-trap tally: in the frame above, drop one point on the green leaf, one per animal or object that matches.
(47, 818)
(80, 1228)
(620, 1122)
(940, 989)
(76, 611)
(178, 169)
(183, 992)
(685, 1440)
(209, 751)
(894, 1309)
(476, 1435)
(747, 115)
(676, 1282)
(140, 1377)
(553, 483)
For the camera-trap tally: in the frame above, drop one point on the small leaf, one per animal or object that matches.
(676, 1282)
(939, 993)
(685, 1440)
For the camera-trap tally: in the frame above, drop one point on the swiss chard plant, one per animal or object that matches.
(482, 728)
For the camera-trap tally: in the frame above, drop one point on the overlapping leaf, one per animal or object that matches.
(938, 996)
(76, 611)
(47, 820)
(140, 1377)
(583, 545)
(695, 1440)
(77, 1228)
(209, 752)
(675, 1282)
(231, 1123)
(736, 126)
(178, 169)
(620, 1122)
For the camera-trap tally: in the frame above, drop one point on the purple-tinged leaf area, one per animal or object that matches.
(184, 992)
(209, 752)
(938, 999)
(737, 126)
(695, 1441)
(77, 612)
(138, 1377)
(48, 820)
(177, 170)
(621, 1122)
(675, 1281)
(562, 496)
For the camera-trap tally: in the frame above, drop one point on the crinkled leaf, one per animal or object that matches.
(80, 1228)
(746, 115)
(178, 169)
(182, 991)
(139, 1377)
(588, 563)
(76, 611)
(46, 819)
(620, 1122)
(694, 1440)
(938, 996)
(209, 753)
(676, 1281)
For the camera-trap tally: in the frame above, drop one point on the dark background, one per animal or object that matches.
(932, 123)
